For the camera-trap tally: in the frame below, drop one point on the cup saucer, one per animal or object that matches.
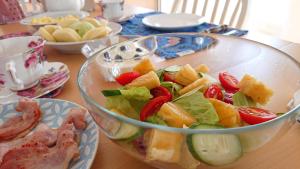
(50, 84)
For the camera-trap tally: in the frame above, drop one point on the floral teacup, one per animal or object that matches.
(21, 62)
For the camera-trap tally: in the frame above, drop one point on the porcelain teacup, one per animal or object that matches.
(21, 62)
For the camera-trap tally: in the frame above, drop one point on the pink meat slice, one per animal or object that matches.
(19, 126)
(43, 134)
(38, 155)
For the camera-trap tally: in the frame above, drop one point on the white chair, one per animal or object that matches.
(230, 12)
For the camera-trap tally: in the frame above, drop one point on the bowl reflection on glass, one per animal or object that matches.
(167, 147)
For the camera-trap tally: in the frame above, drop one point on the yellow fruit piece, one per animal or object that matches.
(255, 89)
(198, 83)
(66, 35)
(144, 66)
(164, 146)
(95, 22)
(67, 21)
(228, 115)
(202, 68)
(52, 28)
(95, 33)
(46, 35)
(175, 116)
(149, 80)
(186, 75)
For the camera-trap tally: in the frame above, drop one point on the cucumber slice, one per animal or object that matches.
(214, 149)
(127, 132)
(174, 68)
(107, 93)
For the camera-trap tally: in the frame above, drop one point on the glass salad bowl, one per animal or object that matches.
(187, 148)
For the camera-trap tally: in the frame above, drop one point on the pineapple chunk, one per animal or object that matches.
(202, 68)
(186, 75)
(149, 80)
(228, 115)
(175, 116)
(144, 66)
(194, 85)
(255, 89)
(164, 146)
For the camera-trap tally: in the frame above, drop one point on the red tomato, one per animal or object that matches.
(214, 91)
(127, 77)
(169, 77)
(228, 82)
(228, 98)
(252, 115)
(161, 91)
(152, 107)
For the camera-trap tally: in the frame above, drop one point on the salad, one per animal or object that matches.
(185, 97)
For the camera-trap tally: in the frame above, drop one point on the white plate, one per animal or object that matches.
(123, 18)
(54, 111)
(51, 68)
(75, 47)
(27, 21)
(172, 21)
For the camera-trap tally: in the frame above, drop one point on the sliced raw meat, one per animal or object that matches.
(38, 155)
(19, 126)
(43, 134)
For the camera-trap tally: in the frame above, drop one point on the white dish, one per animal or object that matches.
(75, 47)
(172, 21)
(123, 18)
(54, 111)
(51, 69)
(27, 21)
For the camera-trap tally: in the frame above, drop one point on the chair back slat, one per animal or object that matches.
(195, 5)
(233, 11)
(214, 12)
(224, 13)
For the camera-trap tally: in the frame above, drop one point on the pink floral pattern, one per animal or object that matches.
(37, 55)
(2, 81)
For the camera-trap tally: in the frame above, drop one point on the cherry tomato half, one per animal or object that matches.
(228, 82)
(214, 91)
(228, 98)
(161, 91)
(127, 77)
(152, 107)
(169, 77)
(252, 115)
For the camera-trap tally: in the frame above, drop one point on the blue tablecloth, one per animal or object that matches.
(174, 45)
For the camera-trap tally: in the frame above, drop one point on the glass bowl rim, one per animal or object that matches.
(185, 130)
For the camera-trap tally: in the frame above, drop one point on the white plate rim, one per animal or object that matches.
(146, 22)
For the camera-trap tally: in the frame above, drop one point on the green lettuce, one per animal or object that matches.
(137, 93)
(156, 120)
(122, 104)
(172, 87)
(199, 107)
(239, 99)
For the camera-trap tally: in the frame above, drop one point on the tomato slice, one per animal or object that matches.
(161, 91)
(253, 115)
(228, 98)
(214, 91)
(152, 107)
(228, 82)
(127, 77)
(169, 77)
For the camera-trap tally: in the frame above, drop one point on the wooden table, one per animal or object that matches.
(109, 156)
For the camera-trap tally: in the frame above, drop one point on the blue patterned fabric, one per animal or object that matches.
(174, 45)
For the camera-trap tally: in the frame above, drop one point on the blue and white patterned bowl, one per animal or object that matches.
(54, 112)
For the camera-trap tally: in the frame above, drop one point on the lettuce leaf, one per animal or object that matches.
(137, 93)
(240, 99)
(156, 120)
(199, 107)
(122, 104)
(172, 87)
